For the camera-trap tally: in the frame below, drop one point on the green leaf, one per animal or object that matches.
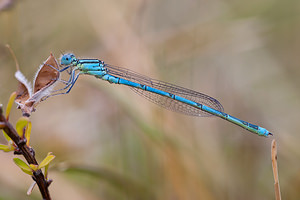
(11, 145)
(4, 148)
(46, 172)
(33, 167)
(7, 148)
(21, 124)
(6, 136)
(23, 166)
(46, 161)
(10, 103)
(28, 132)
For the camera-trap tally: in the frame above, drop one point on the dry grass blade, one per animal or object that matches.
(275, 169)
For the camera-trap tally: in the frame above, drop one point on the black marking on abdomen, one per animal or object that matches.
(199, 105)
(172, 96)
(253, 126)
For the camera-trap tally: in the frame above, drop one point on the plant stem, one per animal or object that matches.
(38, 175)
(275, 170)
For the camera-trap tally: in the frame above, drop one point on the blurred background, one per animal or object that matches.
(111, 143)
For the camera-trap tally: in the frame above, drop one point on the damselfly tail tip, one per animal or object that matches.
(270, 133)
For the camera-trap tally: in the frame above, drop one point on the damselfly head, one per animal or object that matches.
(67, 59)
(43, 84)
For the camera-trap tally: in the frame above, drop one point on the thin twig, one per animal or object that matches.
(14, 56)
(275, 169)
(38, 175)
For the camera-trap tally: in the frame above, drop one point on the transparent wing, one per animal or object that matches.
(163, 101)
